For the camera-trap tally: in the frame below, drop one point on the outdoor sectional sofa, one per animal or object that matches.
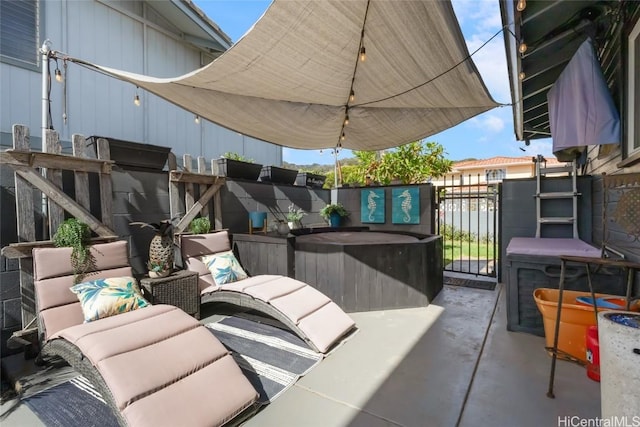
(300, 307)
(155, 366)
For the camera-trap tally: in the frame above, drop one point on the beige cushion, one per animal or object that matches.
(210, 397)
(196, 245)
(325, 325)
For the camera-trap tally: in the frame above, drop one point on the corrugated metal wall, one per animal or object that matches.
(130, 36)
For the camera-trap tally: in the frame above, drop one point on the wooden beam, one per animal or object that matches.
(106, 186)
(81, 179)
(188, 186)
(23, 249)
(55, 161)
(195, 209)
(67, 203)
(25, 226)
(195, 178)
(55, 214)
(202, 169)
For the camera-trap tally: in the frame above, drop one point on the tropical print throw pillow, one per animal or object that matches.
(108, 297)
(224, 267)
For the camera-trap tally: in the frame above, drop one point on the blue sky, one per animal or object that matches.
(486, 135)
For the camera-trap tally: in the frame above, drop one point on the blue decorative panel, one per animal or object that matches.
(405, 205)
(372, 206)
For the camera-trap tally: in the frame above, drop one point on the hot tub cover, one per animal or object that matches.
(288, 80)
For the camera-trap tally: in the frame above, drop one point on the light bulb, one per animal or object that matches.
(352, 96)
(342, 137)
(363, 54)
(522, 48)
(346, 120)
(522, 75)
(58, 75)
(136, 100)
(522, 4)
(197, 119)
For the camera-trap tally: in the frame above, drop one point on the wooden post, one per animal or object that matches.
(174, 189)
(202, 168)
(55, 212)
(217, 202)
(81, 179)
(106, 186)
(188, 186)
(26, 227)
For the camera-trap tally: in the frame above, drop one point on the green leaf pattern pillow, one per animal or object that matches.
(224, 267)
(108, 297)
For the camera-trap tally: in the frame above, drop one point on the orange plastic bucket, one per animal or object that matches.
(575, 318)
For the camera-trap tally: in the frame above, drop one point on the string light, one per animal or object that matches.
(522, 4)
(346, 119)
(522, 75)
(197, 119)
(522, 48)
(363, 54)
(58, 74)
(352, 96)
(136, 99)
(342, 137)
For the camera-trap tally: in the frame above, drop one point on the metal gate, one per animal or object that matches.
(468, 222)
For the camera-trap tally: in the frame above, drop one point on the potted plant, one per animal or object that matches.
(75, 234)
(294, 217)
(160, 262)
(234, 165)
(200, 225)
(334, 213)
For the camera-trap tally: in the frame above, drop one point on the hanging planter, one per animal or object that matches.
(278, 175)
(237, 168)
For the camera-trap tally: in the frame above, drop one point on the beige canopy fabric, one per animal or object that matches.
(288, 80)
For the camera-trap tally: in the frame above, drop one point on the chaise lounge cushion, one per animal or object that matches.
(136, 352)
(304, 309)
(108, 297)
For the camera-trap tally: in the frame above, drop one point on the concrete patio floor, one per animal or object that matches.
(452, 363)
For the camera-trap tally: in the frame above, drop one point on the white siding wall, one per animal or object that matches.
(129, 36)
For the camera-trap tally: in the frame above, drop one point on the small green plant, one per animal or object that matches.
(236, 156)
(200, 225)
(75, 234)
(337, 208)
(295, 214)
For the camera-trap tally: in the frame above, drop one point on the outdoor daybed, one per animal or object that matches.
(154, 365)
(300, 307)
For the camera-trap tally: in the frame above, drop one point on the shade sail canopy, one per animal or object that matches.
(288, 80)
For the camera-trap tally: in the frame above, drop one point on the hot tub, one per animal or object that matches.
(371, 270)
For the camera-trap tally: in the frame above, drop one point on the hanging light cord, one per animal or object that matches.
(465, 59)
(353, 76)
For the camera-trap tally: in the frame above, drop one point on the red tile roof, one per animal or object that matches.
(500, 161)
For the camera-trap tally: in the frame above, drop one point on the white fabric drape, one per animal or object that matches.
(288, 80)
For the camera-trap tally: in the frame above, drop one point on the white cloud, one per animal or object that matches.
(479, 21)
(540, 146)
(494, 123)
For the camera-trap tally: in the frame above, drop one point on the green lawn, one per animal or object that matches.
(463, 250)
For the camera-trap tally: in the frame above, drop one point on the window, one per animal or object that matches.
(633, 94)
(19, 36)
(495, 175)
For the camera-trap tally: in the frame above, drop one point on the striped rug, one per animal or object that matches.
(273, 360)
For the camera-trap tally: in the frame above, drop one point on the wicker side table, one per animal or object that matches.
(179, 289)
